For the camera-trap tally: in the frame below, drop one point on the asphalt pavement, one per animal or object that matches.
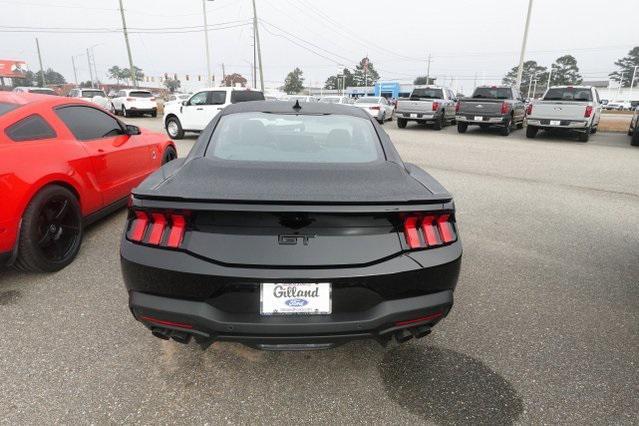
(545, 327)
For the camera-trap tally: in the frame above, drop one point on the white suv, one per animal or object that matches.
(194, 114)
(135, 101)
(95, 96)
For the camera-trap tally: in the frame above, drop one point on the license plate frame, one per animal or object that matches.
(478, 118)
(555, 122)
(298, 298)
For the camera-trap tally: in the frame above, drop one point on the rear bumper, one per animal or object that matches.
(220, 302)
(485, 119)
(146, 110)
(418, 116)
(545, 123)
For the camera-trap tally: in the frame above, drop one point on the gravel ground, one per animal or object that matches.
(545, 327)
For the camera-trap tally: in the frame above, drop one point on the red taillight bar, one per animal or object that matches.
(436, 230)
(420, 319)
(457, 106)
(505, 107)
(529, 109)
(138, 226)
(164, 322)
(165, 229)
(588, 111)
(178, 225)
(435, 106)
(157, 228)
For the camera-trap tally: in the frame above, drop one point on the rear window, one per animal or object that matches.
(427, 94)
(92, 93)
(6, 107)
(493, 93)
(256, 136)
(330, 100)
(141, 94)
(367, 101)
(42, 91)
(568, 94)
(31, 128)
(245, 96)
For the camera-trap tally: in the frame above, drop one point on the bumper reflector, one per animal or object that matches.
(425, 318)
(164, 322)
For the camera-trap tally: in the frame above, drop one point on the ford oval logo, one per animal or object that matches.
(296, 302)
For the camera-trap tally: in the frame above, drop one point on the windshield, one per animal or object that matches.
(493, 93)
(6, 107)
(92, 93)
(568, 94)
(367, 100)
(141, 94)
(427, 94)
(42, 91)
(263, 137)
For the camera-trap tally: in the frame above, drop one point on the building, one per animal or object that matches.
(388, 89)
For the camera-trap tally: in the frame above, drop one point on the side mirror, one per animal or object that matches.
(132, 130)
(185, 103)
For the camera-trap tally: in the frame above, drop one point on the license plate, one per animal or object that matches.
(413, 116)
(295, 298)
(479, 118)
(555, 122)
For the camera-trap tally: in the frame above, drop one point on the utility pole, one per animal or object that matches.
(549, 78)
(520, 71)
(75, 71)
(95, 68)
(134, 79)
(534, 89)
(223, 73)
(206, 44)
(529, 84)
(618, 88)
(42, 80)
(428, 71)
(254, 60)
(90, 69)
(257, 41)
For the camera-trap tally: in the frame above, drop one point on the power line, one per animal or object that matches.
(157, 31)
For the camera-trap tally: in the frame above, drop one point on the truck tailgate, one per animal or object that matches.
(561, 110)
(414, 106)
(480, 106)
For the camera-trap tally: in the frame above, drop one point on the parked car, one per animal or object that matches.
(301, 98)
(291, 226)
(135, 101)
(64, 164)
(575, 108)
(176, 99)
(344, 100)
(427, 104)
(95, 96)
(501, 106)
(197, 112)
(617, 106)
(377, 107)
(36, 90)
(633, 129)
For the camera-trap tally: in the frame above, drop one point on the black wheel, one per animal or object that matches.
(170, 154)
(383, 119)
(154, 114)
(113, 110)
(123, 111)
(439, 122)
(520, 125)
(505, 131)
(635, 137)
(462, 127)
(593, 130)
(584, 136)
(174, 128)
(531, 131)
(51, 231)
(401, 123)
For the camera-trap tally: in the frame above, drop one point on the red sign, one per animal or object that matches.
(9, 68)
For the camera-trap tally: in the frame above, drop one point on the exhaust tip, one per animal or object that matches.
(160, 333)
(181, 337)
(403, 336)
(421, 331)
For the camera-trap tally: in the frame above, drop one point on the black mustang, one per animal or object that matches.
(291, 226)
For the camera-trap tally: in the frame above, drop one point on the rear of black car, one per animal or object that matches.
(277, 262)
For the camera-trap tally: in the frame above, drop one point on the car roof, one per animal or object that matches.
(286, 107)
(31, 99)
(574, 86)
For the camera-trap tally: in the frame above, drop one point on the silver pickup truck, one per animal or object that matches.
(500, 106)
(575, 108)
(434, 104)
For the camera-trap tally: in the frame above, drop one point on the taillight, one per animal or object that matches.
(130, 99)
(435, 106)
(157, 228)
(529, 109)
(505, 107)
(457, 106)
(152, 99)
(375, 107)
(588, 111)
(429, 230)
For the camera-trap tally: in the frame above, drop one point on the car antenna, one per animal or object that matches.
(297, 105)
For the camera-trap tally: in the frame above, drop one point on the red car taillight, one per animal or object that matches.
(429, 230)
(164, 229)
(457, 106)
(588, 111)
(375, 107)
(435, 106)
(130, 99)
(529, 109)
(505, 107)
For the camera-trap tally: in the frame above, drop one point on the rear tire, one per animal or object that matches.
(51, 231)
(401, 123)
(462, 127)
(531, 132)
(635, 137)
(382, 119)
(505, 131)
(439, 122)
(584, 136)
(154, 114)
(174, 128)
(520, 125)
(594, 130)
(170, 154)
(123, 111)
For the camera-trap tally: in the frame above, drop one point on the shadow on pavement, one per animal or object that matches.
(448, 387)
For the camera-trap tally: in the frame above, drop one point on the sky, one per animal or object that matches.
(468, 40)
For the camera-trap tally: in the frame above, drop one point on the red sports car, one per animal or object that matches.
(64, 163)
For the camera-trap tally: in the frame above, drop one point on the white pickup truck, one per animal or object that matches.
(576, 108)
(434, 104)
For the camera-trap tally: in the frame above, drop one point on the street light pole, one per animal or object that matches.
(549, 78)
(90, 69)
(134, 79)
(257, 41)
(75, 71)
(42, 80)
(206, 44)
(523, 45)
